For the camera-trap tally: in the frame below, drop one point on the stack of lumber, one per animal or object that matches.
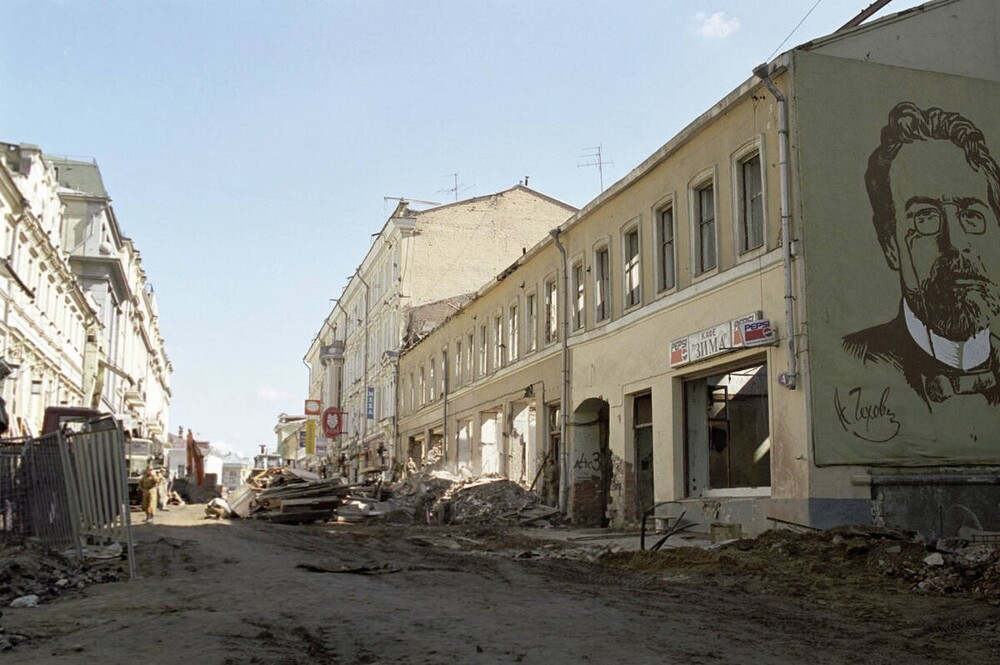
(291, 496)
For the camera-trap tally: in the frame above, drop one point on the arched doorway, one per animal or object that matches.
(590, 464)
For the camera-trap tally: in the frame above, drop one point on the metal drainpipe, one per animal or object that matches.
(6, 307)
(364, 431)
(564, 397)
(395, 410)
(340, 396)
(444, 408)
(762, 72)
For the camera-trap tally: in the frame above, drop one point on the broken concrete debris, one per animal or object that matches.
(292, 496)
(31, 600)
(837, 560)
(31, 570)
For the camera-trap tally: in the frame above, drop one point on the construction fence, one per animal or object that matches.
(67, 490)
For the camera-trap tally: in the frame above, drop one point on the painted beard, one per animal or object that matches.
(952, 310)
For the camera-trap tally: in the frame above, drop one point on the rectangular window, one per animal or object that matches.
(433, 396)
(705, 214)
(531, 322)
(602, 284)
(444, 373)
(632, 273)
(470, 352)
(751, 205)
(422, 386)
(412, 384)
(458, 362)
(668, 270)
(483, 346)
(513, 326)
(498, 345)
(578, 301)
(551, 312)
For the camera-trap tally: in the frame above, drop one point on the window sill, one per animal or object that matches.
(737, 492)
(751, 254)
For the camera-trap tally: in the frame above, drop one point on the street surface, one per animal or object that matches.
(236, 592)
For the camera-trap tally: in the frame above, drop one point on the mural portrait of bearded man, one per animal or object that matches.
(934, 190)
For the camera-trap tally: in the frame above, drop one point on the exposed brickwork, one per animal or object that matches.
(621, 503)
(585, 502)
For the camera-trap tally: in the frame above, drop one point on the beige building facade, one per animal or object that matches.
(419, 269)
(684, 342)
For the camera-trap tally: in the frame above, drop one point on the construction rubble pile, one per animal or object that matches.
(489, 500)
(295, 496)
(31, 570)
(836, 561)
(31, 575)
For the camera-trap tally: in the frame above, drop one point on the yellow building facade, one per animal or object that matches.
(699, 338)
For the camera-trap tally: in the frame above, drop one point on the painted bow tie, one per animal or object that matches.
(942, 386)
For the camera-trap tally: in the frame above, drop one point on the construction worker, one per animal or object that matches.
(148, 485)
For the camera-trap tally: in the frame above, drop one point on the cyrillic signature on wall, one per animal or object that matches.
(868, 420)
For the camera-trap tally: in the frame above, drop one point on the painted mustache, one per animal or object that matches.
(950, 271)
(957, 299)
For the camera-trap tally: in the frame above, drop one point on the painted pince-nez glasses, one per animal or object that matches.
(928, 215)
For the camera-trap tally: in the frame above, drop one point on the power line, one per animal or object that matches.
(797, 26)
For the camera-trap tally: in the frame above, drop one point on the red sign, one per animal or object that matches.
(678, 352)
(313, 407)
(332, 422)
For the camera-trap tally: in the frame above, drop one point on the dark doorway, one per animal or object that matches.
(642, 430)
(591, 464)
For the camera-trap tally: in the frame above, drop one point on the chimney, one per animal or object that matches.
(28, 152)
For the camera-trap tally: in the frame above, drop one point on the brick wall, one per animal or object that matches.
(621, 504)
(585, 502)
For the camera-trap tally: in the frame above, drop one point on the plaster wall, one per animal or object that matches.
(910, 39)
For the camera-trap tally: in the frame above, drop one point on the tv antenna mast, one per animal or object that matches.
(454, 189)
(594, 158)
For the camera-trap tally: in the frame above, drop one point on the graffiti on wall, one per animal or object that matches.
(588, 462)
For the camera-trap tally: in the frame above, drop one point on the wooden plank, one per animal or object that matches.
(539, 514)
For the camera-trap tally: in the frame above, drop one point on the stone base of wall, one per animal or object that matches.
(938, 505)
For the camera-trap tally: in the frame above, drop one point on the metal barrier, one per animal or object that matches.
(15, 524)
(67, 489)
(50, 504)
(99, 478)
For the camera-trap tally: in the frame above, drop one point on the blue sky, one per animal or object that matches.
(248, 145)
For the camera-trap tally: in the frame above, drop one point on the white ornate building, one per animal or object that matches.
(79, 321)
(49, 324)
(133, 377)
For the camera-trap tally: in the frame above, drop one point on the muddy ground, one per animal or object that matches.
(255, 592)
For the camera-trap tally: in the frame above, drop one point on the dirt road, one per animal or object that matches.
(237, 592)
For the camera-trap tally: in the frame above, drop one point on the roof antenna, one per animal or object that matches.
(455, 188)
(595, 160)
